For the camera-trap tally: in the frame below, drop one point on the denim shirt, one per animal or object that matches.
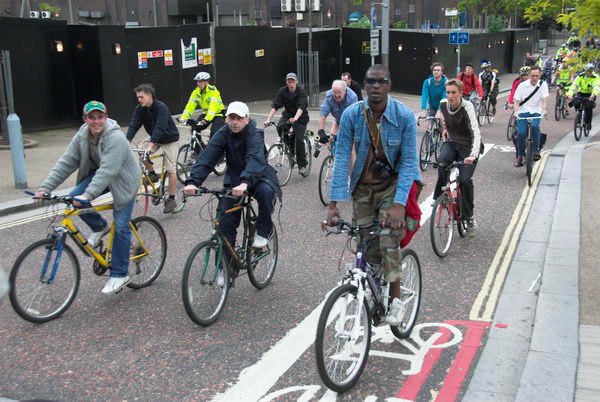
(335, 108)
(399, 140)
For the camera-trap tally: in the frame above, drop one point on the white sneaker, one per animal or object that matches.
(259, 242)
(115, 284)
(396, 313)
(95, 237)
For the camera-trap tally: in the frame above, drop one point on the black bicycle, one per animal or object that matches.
(431, 142)
(188, 153)
(214, 264)
(579, 126)
(326, 170)
(282, 154)
(561, 108)
(529, 146)
(485, 109)
(511, 127)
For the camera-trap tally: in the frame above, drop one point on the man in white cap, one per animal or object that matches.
(294, 101)
(247, 170)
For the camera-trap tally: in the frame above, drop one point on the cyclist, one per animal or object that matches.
(563, 74)
(433, 91)
(208, 98)
(386, 167)
(295, 102)
(573, 42)
(101, 153)
(337, 99)
(463, 141)
(489, 82)
(353, 85)
(586, 86)
(523, 76)
(530, 101)
(562, 52)
(155, 116)
(548, 67)
(471, 84)
(247, 170)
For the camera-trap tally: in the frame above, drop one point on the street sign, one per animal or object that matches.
(458, 38)
(374, 33)
(374, 46)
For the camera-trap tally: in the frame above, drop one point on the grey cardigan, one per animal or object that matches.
(119, 170)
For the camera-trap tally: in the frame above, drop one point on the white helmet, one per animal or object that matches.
(202, 76)
(589, 66)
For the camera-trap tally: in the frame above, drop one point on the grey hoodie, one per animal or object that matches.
(118, 170)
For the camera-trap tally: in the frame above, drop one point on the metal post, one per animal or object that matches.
(385, 33)
(458, 62)
(71, 12)
(17, 151)
(155, 16)
(207, 12)
(310, 54)
(373, 26)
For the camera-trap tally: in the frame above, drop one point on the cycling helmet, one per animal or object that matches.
(202, 76)
(524, 70)
(564, 45)
(589, 66)
(485, 64)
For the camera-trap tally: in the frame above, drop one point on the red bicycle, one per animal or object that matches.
(447, 213)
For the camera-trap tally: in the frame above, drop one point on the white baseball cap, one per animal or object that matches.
(238, 108)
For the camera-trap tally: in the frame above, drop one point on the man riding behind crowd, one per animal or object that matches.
(489, 82)
(337, 99)
(471, 84)
(247, 170)
(208, 98)
(530, 101)
(295, 103)
(433, 91)
(463, 140)
(155, 116)
(587, 88)
(101, 153)
(353, 85)
(523, 76)
(383, 131)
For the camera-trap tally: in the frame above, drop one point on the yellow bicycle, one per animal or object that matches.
(40, 291)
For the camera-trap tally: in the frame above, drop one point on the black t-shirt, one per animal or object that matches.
(355, 86)
(291, 102)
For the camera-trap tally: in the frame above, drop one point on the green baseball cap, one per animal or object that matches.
(94, 105)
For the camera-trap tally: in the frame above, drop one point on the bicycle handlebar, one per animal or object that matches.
(425, 118)
(342, 225)
(443, 165)
(65, 199)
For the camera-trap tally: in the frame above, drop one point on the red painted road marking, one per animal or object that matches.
(501, 325)
(460, 366)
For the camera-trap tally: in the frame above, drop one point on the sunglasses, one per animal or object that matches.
(373, 81)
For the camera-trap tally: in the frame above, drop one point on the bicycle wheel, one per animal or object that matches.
(325, 179)
(185, 162)
(577, 127)
(220, 167)
(441, 226)
(148, 252)
(584, 128)
(32, 296)
(410, 293)
(343, 339)
(308, 154)
(529, 156)
(437, 142)
(425, 151)
(142, 202)
(511, 127)
(558, 107)
(205, 283)
(263, 262)
(281, 161)
(481, 113)
(489, 115)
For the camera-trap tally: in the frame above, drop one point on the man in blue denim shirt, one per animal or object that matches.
(337, 99)
(383, 174)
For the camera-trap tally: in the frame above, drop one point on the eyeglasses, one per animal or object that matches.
(373, 81)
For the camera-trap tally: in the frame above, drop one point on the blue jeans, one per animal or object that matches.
(535, 131)
(122, 239)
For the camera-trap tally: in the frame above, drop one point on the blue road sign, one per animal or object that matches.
(458, 38)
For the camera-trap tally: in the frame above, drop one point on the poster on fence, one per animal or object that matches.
(207, 56)
(142, 60)
(168, 57)
(188, 54)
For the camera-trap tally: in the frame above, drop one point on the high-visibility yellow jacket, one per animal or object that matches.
(208, 99)
(585, 85)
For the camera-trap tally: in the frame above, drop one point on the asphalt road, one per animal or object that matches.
(140, 345)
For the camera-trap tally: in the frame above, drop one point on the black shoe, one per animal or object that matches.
(518, 162)
(153, 177)
(536, 156)
(588, 126)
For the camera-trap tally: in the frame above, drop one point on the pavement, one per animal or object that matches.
(544, 340)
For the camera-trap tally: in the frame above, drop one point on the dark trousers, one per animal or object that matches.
(299, 131)
(264, 194)
(587, 104)
(216, 123)
(449, 153)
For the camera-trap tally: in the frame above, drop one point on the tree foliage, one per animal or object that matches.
(48, 7)
(496, 23)
(584, 19)
(363, 23)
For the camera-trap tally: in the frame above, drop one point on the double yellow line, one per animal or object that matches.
(485, 303)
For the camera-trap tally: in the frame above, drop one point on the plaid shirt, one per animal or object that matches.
(399, 140)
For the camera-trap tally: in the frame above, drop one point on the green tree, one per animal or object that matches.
(363, 23)
(47, 7)
(400, 25)
(584, 20)
(496, 23)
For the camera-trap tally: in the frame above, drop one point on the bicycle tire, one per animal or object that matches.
(489, 116)
(425, 152)
(220, 167)
(142, 202)
(325, 179)
(185, 162)
(558, 107)
(511, 127)
(19, 277)
(264, 261)
(437, 143)
(576, 126)
(481, 113)
(308, 154)
(153, 243)
(281, 162)
(220, 283)
(410, 285)
(441, 220)
(529, 156)
(586, 132)
(339, 299)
